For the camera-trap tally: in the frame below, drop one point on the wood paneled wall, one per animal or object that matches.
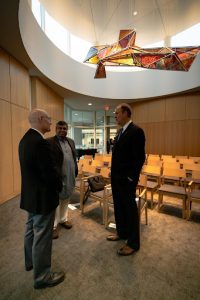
(14, 108)
(45, 98)
(171, 124)
(16, 88)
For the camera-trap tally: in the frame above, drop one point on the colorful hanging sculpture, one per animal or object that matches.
(126, 53)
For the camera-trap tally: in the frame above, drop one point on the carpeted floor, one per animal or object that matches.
(166, 267)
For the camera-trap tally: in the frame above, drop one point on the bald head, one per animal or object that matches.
(40, 120)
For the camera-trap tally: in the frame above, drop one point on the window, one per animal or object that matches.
(36, 11)
(56, 33)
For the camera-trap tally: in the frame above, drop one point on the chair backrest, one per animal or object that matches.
(153, 155)
(151, 170)
(171, 164)
(169, 159)
(178, 157)
(169, 172)
(89, 169)
(105, 172)
(196, 174)
(186, 161)
(196, 159)
(97, 163)
(154, 162)
(88, 157)
(98, 156)
(107, 158)
(85, 162)
(164, 156)
(191, 167)
(143, 180)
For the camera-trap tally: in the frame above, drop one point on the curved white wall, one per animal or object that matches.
(79, 77)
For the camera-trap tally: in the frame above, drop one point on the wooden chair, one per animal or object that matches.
(98, 156)
(97, 163)
(100, 196)
(177, 190)
(153, 179)
(154, 162)
(154, 156)
(178, 157)
(88, 157)
(186, 161)
(86, 171)
(193, 192)
(171, 164)
(107, 160)
(141, 201)
(169, 159)
(190, 168)
(164, 156)
(196, 159)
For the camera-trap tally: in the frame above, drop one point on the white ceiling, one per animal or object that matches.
(99, 21)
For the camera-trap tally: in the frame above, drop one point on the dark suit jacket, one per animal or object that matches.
(41, 183)
(128, 154)
(58, 153)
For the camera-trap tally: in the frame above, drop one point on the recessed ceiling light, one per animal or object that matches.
(76, 114)
(89, 104)
(135, 13)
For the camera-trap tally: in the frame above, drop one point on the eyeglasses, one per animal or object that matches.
(46, 117)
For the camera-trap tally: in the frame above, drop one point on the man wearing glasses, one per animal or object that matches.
(41, 185)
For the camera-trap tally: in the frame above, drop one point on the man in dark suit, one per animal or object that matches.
(39, 197)
(128, 157)
(64, 154)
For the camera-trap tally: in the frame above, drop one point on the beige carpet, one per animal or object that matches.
(166, 267)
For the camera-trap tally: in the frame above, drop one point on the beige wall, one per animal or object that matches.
(45, 98)
(171, 124)
(15, 104)
(14, 107)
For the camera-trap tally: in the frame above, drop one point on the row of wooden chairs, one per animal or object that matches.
(173, 182)
(182, 159)
(167, 181)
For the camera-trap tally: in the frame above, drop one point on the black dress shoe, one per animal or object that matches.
(54, 279)
(29, 268)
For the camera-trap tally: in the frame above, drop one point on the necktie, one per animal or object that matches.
(120, 133)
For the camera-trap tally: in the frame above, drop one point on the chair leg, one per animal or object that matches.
(184, 208)
(159, 201)
(189, 209)
(151, 199)
(146, 215)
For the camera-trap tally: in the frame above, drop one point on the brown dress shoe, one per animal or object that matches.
(55, 233)
(113, 238)
(53, 279)
(67, 225)
(126, 250)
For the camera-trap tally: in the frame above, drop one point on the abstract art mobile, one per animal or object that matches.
(126, 53)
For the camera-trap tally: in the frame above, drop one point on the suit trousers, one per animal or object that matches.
(38, 244)
(126, 211)
(61, 215)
